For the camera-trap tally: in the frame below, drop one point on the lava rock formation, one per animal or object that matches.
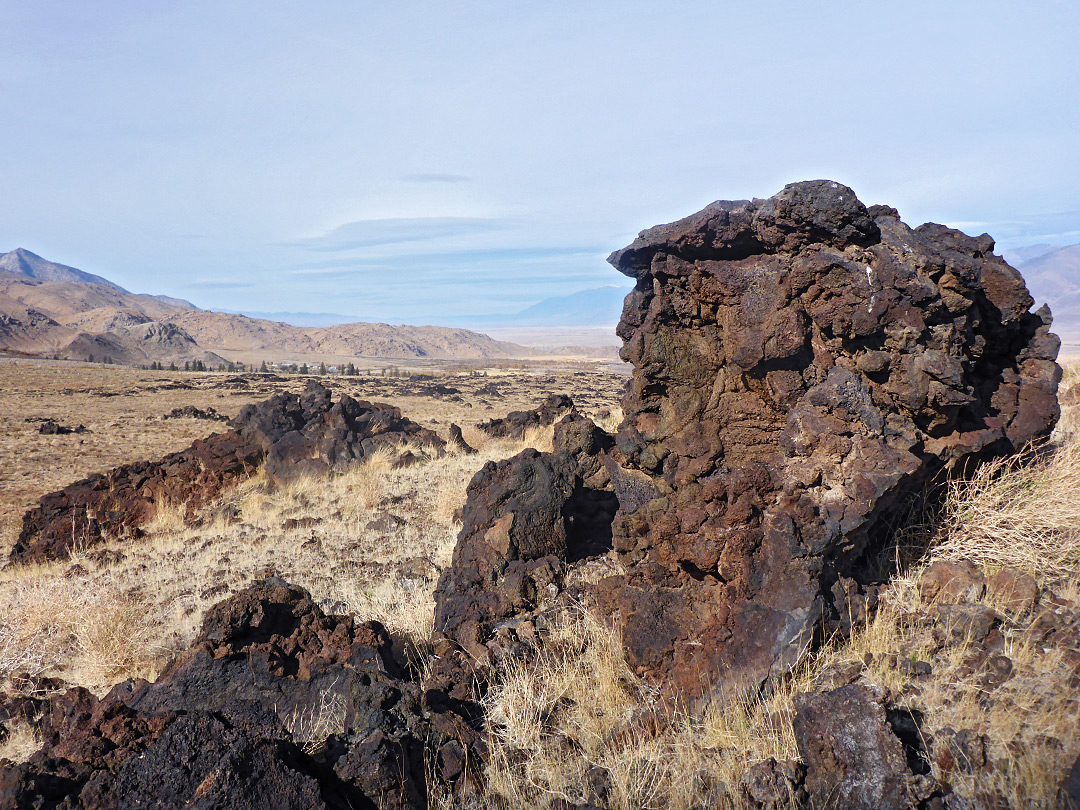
(288, 435)
(804, 367)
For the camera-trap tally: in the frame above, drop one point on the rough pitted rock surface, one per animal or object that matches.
(120, 501)
(191, 412)
(515, 423)
(310, 434)
(524, 520)
(853, 759)
(228, 723)
(289, 435)
(803, 366)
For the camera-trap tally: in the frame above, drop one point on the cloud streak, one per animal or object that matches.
(367, 233)
(435, 178)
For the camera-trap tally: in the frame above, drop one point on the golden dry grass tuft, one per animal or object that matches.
(312, 725)
(1019, 513)
(93, 630)
(579, 707)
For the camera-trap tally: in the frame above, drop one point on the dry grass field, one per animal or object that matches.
(372, 543)
(123, 409)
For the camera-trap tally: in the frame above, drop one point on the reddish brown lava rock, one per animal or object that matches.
(803, 366)
(523, 520)
(515, 423)
(234, 722)
(853, 758)
(289, 435)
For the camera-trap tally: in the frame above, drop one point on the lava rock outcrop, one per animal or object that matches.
(276, 705)
(525, 519)
(310, 434)
(515, 423)
(288, 435)
(803, 367)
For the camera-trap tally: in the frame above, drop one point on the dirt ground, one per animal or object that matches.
(123, 409)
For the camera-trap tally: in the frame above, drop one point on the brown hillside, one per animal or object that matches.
(222, 332)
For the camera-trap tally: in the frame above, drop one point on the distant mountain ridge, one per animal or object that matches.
(1053, 276)
(600, 306)
(24, 263)
(597, 306)
(50, 309)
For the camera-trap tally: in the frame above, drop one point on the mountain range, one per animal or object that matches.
(52, 310)
(1052, 274)
(595, 307)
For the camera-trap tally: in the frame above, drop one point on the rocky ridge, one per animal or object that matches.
(287, 436)
(276, 704)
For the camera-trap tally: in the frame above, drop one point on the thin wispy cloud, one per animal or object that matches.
(369, 233)
(499, 257)
(446, 162)
(218, 283)
(435, 178)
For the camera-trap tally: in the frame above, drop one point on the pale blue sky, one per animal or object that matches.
(414, 161)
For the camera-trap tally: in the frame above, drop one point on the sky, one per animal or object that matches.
(421, 162)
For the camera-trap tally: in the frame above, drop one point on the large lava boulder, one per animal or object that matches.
(516, 423)
(525, 520)
(289, 435)
(277, 704)
(803, 367)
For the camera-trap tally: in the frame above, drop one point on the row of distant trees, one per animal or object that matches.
(346, 370)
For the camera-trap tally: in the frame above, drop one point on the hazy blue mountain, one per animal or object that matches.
(24, 263)
(1054, 277)
(1018, 256)
(599, 306)
(301, 318)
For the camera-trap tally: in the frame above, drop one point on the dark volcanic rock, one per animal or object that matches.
(853, 759)
(52, 428)
(310, 434)
(459, 440)
(120, 501)
(524, 519)
(191, 412)
(803, 366)
(289, 434)
(515, 423)
(276, 705)
(1070, 788)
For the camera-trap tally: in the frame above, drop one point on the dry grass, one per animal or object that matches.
(21, 743)
(579, 711)
(372, 542)
(311, 726)
(369, 542)
(1018, 513)
(93, 631)
(123, 408)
